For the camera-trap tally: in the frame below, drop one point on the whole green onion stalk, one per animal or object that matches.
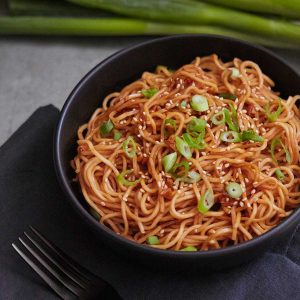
(286, 8)
(193, 12)
(116, 27)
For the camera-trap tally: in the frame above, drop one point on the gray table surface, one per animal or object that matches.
(39, 71)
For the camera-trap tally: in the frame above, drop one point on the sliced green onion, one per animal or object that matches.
(218, 118)
(149, 93)
(183, 147)
(169, 160)
(250, 135)
(234, 116)
(180, 170)
(227, 96)
(129, 142)
(196, 125)
(273, 116)
(117, 135)
(230, 137)
(234, 190)
(183, 104)
(235, 73)
(199, 103)
(206, 202)
(169, 127)
(194, 142)
(228, 120)
(189, 248)
(191, 177)
(122, 180)
(274, 143)
(95, 214)
(152, 240)
(106, 128)
(280, 176)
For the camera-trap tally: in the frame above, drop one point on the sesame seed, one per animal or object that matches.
(241, 204)
(253, 191)
(103, 203)
(248, 204)
(246, 180)
(226, 165)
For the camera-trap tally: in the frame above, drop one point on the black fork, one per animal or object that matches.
(67, 278)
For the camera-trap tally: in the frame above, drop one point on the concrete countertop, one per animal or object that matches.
(40, 71)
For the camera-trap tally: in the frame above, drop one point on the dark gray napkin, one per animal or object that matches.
(30, 194)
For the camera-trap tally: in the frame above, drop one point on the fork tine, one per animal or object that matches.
(57, 261)
(60, 276)
(68, 260)
(59, 289)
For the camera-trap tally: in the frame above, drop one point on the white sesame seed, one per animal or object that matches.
(241, 204)
(103, 203)
(226, 165)
(246, 180)
(253, 191)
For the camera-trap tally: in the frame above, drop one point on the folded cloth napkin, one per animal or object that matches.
(30, 195)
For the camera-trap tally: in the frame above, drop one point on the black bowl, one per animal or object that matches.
(122, 68)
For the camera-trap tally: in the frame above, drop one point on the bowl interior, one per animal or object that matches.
(128, 65)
